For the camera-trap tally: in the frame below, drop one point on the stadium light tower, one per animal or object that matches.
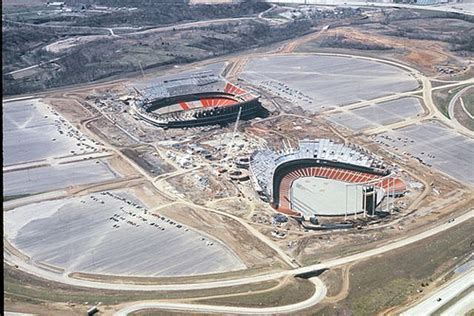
(392, 194)
(356, 202)
(374, 199)
(345, 214)
(364, 198)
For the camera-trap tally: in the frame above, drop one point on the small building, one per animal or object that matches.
(280, 218)
(55, 4)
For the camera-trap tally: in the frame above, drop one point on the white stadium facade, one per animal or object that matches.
(324, 178)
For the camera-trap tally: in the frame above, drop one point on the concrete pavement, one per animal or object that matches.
(461, 307)
(435, 301)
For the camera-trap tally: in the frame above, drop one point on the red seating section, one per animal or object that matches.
(230, 88)
(184, 106)
(343, 175)
(213, 102)
(220, 101)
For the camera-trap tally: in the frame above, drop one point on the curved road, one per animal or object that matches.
(64, 278)
(392, 245)
(319, 294)
(453, 102)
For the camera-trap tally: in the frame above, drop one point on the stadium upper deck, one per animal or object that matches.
(199, 99)
(273, 173)
(263, 163)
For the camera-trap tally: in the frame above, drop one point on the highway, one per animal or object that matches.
(461, 307)
(451, 290)
(320, 292)
(32, 67)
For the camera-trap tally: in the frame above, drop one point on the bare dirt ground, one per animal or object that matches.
(420, 49)
(436, 200)
(338, 282)
(228, 231)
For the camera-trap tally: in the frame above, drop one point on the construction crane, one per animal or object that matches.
(235, 131)
(141, 69)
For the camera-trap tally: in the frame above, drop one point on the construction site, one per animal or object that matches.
(272, 169)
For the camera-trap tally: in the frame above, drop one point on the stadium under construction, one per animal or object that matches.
(324, 178)
(196, 100)
(319, 178)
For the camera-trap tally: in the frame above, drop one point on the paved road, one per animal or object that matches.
(452, 103)
(56, 161)
(319, 294)
(465, 110)
(34, 66)
(431, 304)
(376, 4)
(64, 278)
(461, 307)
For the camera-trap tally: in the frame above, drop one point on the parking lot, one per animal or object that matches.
(378, 114)
(434, 145)
(321, 82)
(32, 131)
(42, 179)
(113, 233)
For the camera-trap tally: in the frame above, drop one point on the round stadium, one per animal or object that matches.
(199, 99)
(324, 178)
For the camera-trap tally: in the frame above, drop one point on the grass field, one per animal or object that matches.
(462, 117)
(393, 279)
(22, 287)
(7, 198)
(442, 98)
(294, 291)
(468, 99)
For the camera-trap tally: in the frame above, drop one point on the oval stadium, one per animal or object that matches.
(324, 178)
(199, 99)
